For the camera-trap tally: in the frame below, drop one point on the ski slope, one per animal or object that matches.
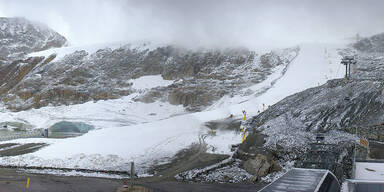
(159, 139)
(314, 66)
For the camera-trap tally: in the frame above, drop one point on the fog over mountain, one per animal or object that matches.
(203, 22)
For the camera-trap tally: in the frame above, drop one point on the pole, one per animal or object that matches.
(354, 159)
(346, 71)
(132, 173)
(28, 181)
(349, 70)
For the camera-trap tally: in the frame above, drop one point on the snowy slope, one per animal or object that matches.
(315, 65)
(159, 140)
(103, 113)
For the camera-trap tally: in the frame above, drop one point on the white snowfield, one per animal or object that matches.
(102, 114)
(149, 82)
(134, 135)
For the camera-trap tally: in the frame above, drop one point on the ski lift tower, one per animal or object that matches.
(347, 61)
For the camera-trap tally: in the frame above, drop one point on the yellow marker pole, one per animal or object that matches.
(242, 129)
(28, 180)
(263, 106)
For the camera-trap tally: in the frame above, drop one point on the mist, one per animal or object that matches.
(208, 23)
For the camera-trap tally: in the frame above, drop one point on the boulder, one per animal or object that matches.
(260, 166)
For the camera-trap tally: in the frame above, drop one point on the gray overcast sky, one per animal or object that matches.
(252, 23)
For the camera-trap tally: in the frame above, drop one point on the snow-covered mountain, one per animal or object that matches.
(19, 37)
(149, 103)
(150, 133)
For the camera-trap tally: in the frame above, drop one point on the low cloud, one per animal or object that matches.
(251, 23)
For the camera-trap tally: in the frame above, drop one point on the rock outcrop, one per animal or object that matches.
(19, 37)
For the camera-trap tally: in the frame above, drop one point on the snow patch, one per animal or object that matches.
(149, 82)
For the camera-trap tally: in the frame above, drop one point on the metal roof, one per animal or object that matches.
(298, 180)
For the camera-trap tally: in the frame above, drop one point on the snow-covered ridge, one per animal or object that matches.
(19, 37)
(91, 49)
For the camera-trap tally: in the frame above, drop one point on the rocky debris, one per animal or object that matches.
(228, 174)
(201, 76)
(19, 37)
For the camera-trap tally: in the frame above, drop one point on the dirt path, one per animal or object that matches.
(14, 180)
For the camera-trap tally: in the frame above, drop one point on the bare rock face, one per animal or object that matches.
(19, 37)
